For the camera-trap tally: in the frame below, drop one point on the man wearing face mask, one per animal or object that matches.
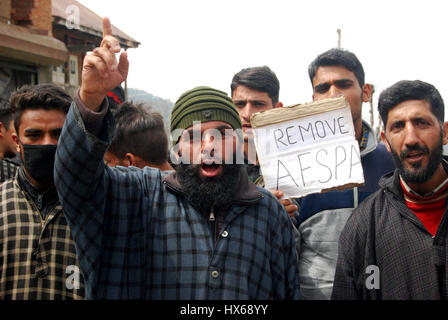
(37, 253)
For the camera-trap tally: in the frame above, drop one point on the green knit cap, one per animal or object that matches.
(203, 104)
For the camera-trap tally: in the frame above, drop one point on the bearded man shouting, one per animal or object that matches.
(202, 232)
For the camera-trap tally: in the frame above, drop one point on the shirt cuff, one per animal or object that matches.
(93, 121)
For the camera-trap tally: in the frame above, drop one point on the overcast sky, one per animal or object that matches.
(205, 42)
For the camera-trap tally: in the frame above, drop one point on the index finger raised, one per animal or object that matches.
(107, 27)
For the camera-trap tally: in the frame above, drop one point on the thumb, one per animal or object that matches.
(277, 193)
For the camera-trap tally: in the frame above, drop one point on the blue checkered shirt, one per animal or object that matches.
(138, 237)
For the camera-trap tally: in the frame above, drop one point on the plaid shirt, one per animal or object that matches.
(8, 169)
(37, 257)
(384, 235)
(139, 238)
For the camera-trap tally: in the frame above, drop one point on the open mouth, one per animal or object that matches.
(210, 169)
(415, 155)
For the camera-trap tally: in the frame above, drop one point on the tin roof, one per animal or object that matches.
(89, 21)
(22, 44)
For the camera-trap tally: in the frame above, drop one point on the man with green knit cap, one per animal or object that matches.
(203, 231)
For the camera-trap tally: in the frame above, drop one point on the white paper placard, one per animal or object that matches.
(308, 148)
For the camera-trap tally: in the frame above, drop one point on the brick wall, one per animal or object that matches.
(5, 11)
(35, 14)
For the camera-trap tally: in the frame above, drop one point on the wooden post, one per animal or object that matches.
(126, 86)
(339, 38)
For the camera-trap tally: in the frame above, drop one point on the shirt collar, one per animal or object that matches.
(364, 137)
(49, 197)
(431, 193)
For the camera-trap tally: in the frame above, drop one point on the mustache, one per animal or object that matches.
(211, 159)
(416, 147)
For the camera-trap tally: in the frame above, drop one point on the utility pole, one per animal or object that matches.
(339, 38)
(125, 85)
(371, 105)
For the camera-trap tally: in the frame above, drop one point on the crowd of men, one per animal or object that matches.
(95, 203)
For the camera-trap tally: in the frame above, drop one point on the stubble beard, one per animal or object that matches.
(418, 174)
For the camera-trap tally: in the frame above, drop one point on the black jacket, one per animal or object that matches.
(385, 252)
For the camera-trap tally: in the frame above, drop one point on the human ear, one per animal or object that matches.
(175, 154)
(367, 90)
(445, 133)
(15, 138)
(129, 160)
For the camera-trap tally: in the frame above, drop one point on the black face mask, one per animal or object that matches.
(39, 161)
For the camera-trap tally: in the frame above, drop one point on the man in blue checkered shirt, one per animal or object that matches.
(203, 231)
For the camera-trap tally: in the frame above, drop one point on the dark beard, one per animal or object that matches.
(212, 192)
(419, 175)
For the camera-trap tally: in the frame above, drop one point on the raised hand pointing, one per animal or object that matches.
(100, 71)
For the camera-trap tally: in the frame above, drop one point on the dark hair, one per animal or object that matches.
(141, 132)
(40, 96)
(261, 79)
(338, 57)
(115, 97)
(6, 113)
(410, 90)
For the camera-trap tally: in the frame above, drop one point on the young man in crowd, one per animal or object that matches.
(7, 144)
(37, 252)
(202, 232)
(323, 216)
(394, 244)
(140, 139)
(9, 159)
(254, 90)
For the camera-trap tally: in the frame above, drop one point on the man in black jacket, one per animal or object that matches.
(394, 244)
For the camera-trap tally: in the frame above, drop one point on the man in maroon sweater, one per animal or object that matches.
(415, 135)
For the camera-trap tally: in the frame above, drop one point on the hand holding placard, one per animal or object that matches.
(308, 148)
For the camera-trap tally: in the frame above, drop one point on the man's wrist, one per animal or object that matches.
(92, 119)
(91, 100)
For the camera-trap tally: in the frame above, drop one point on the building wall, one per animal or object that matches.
(78, 43)
(44, 74)
(35, 14)
(5, 11)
